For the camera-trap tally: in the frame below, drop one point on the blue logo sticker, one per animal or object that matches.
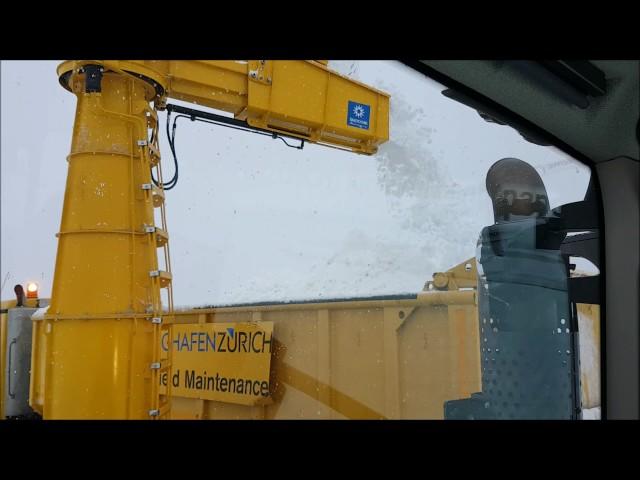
(358, 115)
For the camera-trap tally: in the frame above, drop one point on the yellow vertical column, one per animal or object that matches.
(98, 324)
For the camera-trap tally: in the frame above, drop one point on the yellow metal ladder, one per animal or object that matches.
(161, 320)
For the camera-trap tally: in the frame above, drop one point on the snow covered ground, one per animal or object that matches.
(252, 220)
(591, 413)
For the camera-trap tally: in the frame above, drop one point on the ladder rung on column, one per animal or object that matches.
(163, 277)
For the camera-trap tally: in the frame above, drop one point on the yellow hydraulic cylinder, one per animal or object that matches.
(107, 283)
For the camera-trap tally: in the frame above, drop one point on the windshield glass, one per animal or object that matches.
(446, 276)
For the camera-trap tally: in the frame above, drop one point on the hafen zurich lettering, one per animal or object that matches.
(229, 341)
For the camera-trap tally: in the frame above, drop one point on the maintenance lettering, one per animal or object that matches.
(217, 383)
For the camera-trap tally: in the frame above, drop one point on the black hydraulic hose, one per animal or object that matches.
(212, 119)
(171, 139)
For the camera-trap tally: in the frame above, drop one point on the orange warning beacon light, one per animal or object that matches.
(32, 290)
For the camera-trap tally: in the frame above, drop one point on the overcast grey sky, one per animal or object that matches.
(252, 220)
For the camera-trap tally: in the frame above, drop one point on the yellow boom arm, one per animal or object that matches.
(300, 98)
